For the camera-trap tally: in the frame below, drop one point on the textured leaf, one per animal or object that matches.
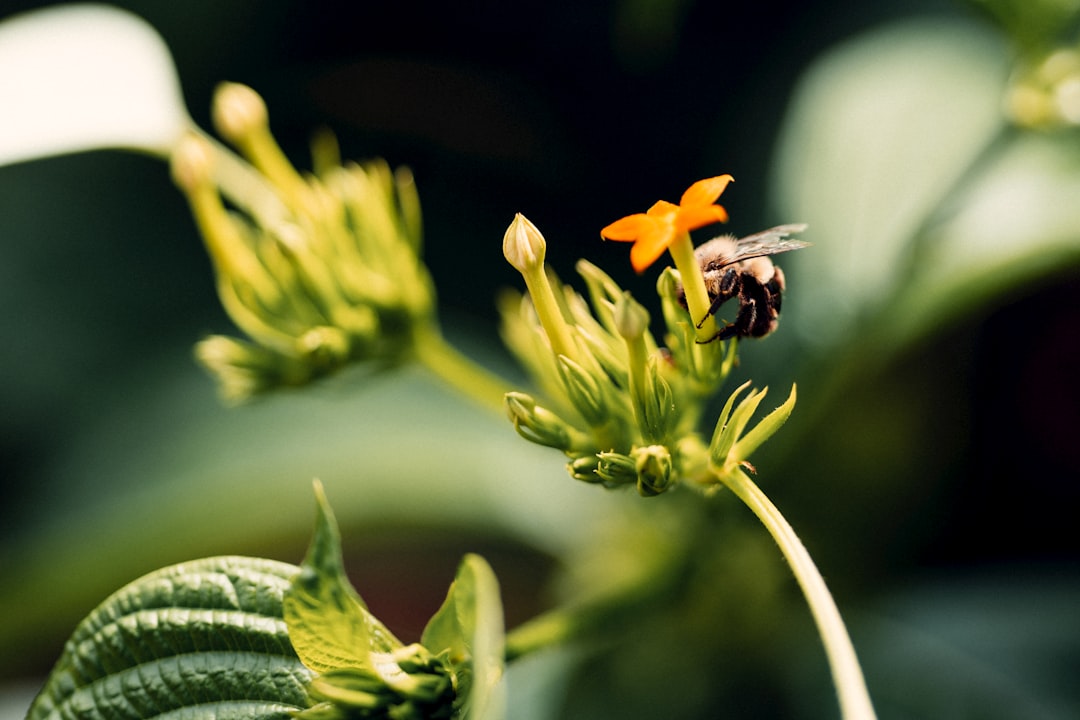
(329, 623)
(204, 639)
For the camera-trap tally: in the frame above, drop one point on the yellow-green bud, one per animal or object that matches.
(654, 470)
(523, 245)
(237, 110)
(585, 393)
(584, 469)
(535, 423)
(617, 469)
(631, 319)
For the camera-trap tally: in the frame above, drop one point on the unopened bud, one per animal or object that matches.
(535, 423)
(616, 469)
(523, 245)
(584, 392)
(237, 111)
(584, 469)
(631, 319)
(653, 465)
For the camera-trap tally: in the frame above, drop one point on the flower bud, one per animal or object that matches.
(523, 245)
(535, 423)
(631, 319)
(653, 466)
(584, 469)
(237, 111)
(584, 391)
(616, 469)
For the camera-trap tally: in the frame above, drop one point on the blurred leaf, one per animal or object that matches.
(82, 77)
(1017, 220)
(880, 131)
(995, 644)
(202, 640)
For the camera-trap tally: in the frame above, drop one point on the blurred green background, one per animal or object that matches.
(931, 466)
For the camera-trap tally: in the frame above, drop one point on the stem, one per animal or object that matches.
(693, 282)
(548, 311)
(459, 372)
(544, 631)
(847, 675)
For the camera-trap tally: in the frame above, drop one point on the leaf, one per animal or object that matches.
(1018, 220)
(203, 639)
(329, 624)
(469, 627)
(880, 131)
(765, 429)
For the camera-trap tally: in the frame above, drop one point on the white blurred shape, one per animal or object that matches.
(80, 77)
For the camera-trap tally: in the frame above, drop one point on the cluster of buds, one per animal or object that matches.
(1045, 92)
(317, 270)
(622, 407)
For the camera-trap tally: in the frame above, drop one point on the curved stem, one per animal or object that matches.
(847, 674)
(459, 372)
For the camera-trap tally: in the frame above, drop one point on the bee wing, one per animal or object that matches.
(769, 242)
(726, 250)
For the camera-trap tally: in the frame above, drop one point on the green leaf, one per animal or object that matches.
(328, 622)
(731, 423)
(881, 130)
(765, 429)
(469, 629)
(204, 639)
(1018, 220)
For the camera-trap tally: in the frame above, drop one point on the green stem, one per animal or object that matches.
(544, 631)
(693, 282)
(847, 675)
(459, 372)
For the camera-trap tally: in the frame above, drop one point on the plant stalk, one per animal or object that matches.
(847, 674)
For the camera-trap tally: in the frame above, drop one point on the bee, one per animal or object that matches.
(742, 268)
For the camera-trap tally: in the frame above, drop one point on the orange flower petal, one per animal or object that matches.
(704, 192)
(651, 246)
(629, 228)
(662, 208)
(693, 218)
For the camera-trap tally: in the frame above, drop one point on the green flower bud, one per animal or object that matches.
(631, 319)
(244, 369)
(654, 470)
(584, 468)
(584, 391)
(537, 424)
(617, 469)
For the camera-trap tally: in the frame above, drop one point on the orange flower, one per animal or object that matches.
(653, 231)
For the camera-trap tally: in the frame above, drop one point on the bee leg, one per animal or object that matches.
(725, 333)
(726, 289)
